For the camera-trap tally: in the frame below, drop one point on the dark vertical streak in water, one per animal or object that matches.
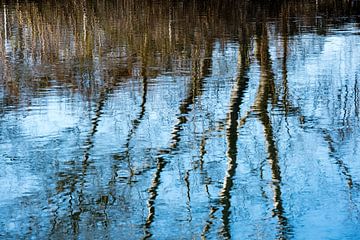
(135, 124)
(356, 98)
(90, 144)
(195, 90)
(188, 196)
(209, 222)
(231, 138)
(202, 151)
(285, 101)
(74, 178)
(344, 170)
(285, 98)
(284, 64)
(265, 93)
(278, 210)
(345, 108)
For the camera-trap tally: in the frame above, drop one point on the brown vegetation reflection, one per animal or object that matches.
(42, 45)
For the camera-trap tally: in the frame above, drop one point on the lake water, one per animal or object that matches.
(129, 119)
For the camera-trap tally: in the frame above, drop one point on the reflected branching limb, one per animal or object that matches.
(286, 104)
(285, 98)
(75, 179)
(344, 170)
(265, 93)
(284, 228)
(205, 136)
(136, 122)
(231, 138)
(89, 142)
(195, 90)
(188, 196)
(202, 150)
(209, 222)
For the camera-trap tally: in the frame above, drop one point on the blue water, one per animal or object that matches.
(179, 120)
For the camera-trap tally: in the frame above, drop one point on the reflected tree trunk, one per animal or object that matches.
(194, 92)
(134, 126)
(76, 181)
(285, 97)
(231, 139)
(265, 94)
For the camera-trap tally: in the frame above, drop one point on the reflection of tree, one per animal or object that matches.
(136, 122)
(199, 72)
(81, 47)
(344, 169)
(356, 97)
(74, 182)
(266, 92)
(232, 137)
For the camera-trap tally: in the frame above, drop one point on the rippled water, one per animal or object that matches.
(136, 119)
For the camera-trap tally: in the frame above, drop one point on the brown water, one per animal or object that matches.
(190, 119)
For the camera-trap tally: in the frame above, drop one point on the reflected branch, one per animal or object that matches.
(89, 142)
(136, 122)
(195, 90)
(74, 179)
(344, 170)
(285, 98)
(188, 196)
(231, 138)
(266, 92)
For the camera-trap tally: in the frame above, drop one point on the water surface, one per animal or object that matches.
(179, 119)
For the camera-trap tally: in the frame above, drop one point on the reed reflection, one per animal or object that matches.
(65, 46)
